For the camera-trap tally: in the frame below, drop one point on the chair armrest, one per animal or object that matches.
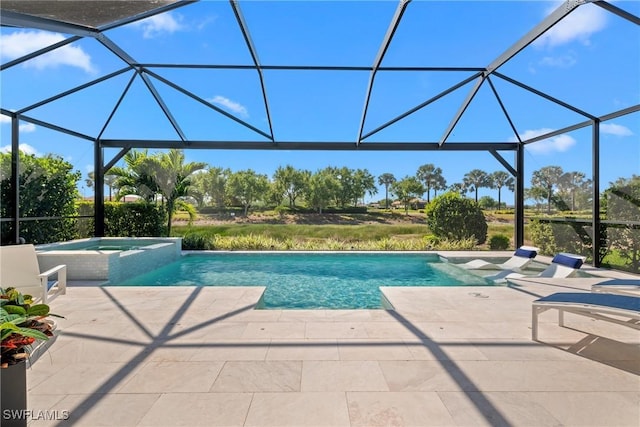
(53, 270)
(60, 284)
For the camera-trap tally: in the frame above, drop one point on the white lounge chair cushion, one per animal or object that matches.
(562, 266)
(522, 257)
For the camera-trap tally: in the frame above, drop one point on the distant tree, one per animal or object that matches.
(458, 187)
(537, 194)
(209, 187)
(487, 202)
(439, 185)
(109, 181)
(344, 193)
(321, 189)
(274, 195)
(406, 189)
(623, 204)
(363, 184)
(500, 179)
(290, 182)
(386, 179)
(247, 187)
(547, 178)
(475, 180)
(430, 176)
(571, 183)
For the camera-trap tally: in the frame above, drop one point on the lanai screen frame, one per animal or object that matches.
(12, 18)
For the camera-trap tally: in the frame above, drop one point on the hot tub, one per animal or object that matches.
(111, 259)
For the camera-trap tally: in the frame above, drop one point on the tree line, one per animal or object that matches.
(165, 175)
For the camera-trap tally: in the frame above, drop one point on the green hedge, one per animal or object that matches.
(134, 220)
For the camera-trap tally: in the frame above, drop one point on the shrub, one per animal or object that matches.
(85, 226)
(47, 189)
(431, 241)
(542, 236)
(282, 210)
(196, 242)
(457, 245)
(133, 220)
(499, 242)
(450, 216)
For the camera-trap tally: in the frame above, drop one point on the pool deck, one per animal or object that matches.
(446, 356)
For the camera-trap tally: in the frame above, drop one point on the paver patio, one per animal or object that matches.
(457, 356)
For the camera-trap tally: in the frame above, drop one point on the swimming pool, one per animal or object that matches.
(310, 280)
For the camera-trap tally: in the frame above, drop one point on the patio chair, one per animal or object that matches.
(619, 309)
(618, 286)
(522, 257)
(562, 265)
(19, 269)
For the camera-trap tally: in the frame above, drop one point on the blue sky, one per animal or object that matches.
(590, 60)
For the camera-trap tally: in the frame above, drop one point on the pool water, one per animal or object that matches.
(310, 280)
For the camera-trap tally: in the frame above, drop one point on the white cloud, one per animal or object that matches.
(25, 148)
(27, 128)
(579, 25)
(23, 128)
(558, 143)
(614, 129)
(230, 105)
(156, 25)
(20, 43)
(564, 61)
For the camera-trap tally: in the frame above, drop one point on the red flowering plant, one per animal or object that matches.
(22, 323)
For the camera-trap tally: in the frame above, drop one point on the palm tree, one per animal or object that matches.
(547, 178)
(430, 176)
(134, 177)
(476, 179)
(109, 181)
(386, 179)
(458, 187)
(172, 178)
(439, 185)
(501, 179)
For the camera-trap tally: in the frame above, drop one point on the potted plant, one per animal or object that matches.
(22, 324)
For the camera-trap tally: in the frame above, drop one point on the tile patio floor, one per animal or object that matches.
(445, 357)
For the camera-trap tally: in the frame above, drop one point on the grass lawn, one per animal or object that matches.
(290, 231)
(378, 230)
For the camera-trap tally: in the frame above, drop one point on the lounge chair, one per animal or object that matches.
(19, 269)
(521, 258)
(562, 265)
(618, 286)
(620, 309)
